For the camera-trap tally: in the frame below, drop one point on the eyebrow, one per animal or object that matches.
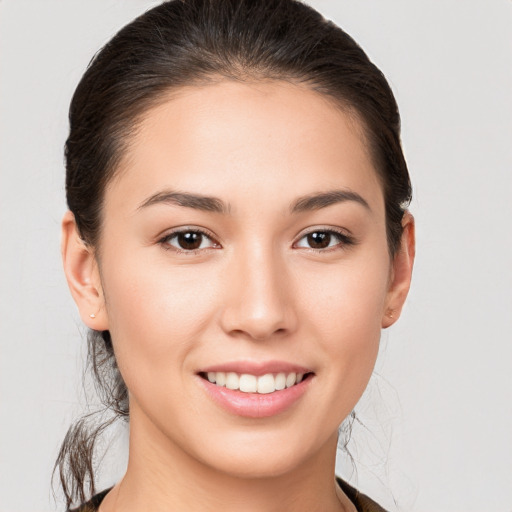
(196, 201)
(315, 201)
(320, 200)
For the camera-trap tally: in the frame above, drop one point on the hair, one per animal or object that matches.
(196, 42)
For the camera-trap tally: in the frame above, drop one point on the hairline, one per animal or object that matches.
(132, 123)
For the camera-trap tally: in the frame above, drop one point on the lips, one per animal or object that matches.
(256, 368)
(256, 390)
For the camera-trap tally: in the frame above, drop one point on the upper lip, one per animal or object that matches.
(256, 368)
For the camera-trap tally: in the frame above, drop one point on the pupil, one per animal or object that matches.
(189, 240)
(319, 240)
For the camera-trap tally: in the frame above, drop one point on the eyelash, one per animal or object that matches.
(344, 240)
(165, 241)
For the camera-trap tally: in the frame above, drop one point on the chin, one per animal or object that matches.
(252, 468)
(260, 458)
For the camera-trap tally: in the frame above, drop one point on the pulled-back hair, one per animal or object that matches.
(196, 42)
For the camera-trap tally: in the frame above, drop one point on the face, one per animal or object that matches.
(244, 246)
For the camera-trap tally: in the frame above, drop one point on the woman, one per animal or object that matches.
(237, 237)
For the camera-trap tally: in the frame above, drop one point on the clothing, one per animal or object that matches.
(93, 504)
(361, 501)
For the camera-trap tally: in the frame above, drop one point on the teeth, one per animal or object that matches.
(291, 378)
(247, 383)
(280, 381)
(220, 379)
(232, 380)
(266, 384)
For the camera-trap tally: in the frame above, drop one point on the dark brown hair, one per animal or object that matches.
(196, 42)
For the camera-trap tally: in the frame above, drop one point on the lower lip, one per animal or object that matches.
(256, 405)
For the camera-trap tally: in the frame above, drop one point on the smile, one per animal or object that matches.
(247, 383)
(258, 394)
(256, 389)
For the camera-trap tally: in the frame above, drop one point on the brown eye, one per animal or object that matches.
(319, 239)
(326, 239)
(188, 241)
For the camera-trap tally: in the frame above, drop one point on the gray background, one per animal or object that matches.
(438, 412)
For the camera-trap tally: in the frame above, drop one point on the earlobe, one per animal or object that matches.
(82, 275)
(401, 273)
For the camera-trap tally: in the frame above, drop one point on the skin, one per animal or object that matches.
(255, 291)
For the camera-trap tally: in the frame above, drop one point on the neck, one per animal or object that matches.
(161, 475)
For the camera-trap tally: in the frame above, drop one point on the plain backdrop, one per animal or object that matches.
(437, 416)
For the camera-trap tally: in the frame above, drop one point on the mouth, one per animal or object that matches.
(259, 384)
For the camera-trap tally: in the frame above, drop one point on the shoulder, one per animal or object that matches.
(362, 502)
(92, 505)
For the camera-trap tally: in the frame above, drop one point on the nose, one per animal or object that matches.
(259, 296)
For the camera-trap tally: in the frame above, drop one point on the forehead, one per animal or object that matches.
(242, 137)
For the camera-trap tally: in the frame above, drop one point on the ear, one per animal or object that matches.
(83, 277)
(401, 272)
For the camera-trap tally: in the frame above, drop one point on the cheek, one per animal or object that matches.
(349, 299)
(346, 310)
(155, 317)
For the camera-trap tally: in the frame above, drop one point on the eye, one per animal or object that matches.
(324, 239)
(188, 240)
